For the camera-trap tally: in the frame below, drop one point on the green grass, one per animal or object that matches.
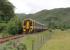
(28, 40)
(34, 38)
(60, 40)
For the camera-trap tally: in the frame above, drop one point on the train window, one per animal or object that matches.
(30, 22)
(24, 23)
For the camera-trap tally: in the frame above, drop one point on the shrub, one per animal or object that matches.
(14, 26)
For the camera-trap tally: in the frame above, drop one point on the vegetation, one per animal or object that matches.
(6, 10)
(11, 45)
(28, 42)
(60, 40)
(9, 22)
(55, 19)
(14, 26)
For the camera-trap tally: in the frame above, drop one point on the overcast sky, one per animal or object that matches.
(32, 6)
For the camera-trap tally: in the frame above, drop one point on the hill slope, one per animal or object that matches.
(54, 17)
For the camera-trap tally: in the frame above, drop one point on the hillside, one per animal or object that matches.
(54, 17)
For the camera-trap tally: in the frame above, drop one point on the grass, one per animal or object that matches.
(60, 40)
(32, 41)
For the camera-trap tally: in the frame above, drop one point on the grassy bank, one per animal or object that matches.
(60, 41)
(32, 41)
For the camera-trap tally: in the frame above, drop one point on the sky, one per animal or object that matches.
(33, 6)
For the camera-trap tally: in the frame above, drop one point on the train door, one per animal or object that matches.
(27, 26)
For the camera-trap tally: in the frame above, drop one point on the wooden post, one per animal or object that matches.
(32, 44)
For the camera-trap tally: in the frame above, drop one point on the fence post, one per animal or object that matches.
(32, 44)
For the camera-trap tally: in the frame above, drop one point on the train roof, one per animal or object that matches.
(34, 21)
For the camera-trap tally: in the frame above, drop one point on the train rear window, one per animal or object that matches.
(30, 22)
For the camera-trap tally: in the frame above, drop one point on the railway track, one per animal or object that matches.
(5, 39)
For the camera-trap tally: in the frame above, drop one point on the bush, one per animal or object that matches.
(14, 26)
(21, 46)
(2, 27)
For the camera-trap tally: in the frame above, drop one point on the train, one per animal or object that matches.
(30, 26)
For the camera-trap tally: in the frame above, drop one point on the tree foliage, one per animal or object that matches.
(14, 26)
(6, 10)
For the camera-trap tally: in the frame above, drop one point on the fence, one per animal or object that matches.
(40, 40)
(36, 42)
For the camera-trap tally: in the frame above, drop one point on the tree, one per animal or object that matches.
(14, 26)
(6, 10)
(51, 21)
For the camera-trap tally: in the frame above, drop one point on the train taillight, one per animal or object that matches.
(24, 30)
